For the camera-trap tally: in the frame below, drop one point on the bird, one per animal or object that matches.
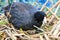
(24, 15)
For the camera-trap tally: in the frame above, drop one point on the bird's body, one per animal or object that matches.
(24, 16)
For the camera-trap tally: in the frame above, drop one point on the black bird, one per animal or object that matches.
(24, 15)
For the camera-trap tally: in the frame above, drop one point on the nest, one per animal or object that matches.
(51, 30)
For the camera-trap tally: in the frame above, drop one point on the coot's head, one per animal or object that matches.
(40, 17)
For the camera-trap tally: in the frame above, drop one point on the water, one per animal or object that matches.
(36, 3)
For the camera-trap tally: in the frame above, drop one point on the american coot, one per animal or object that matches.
(24, 15)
